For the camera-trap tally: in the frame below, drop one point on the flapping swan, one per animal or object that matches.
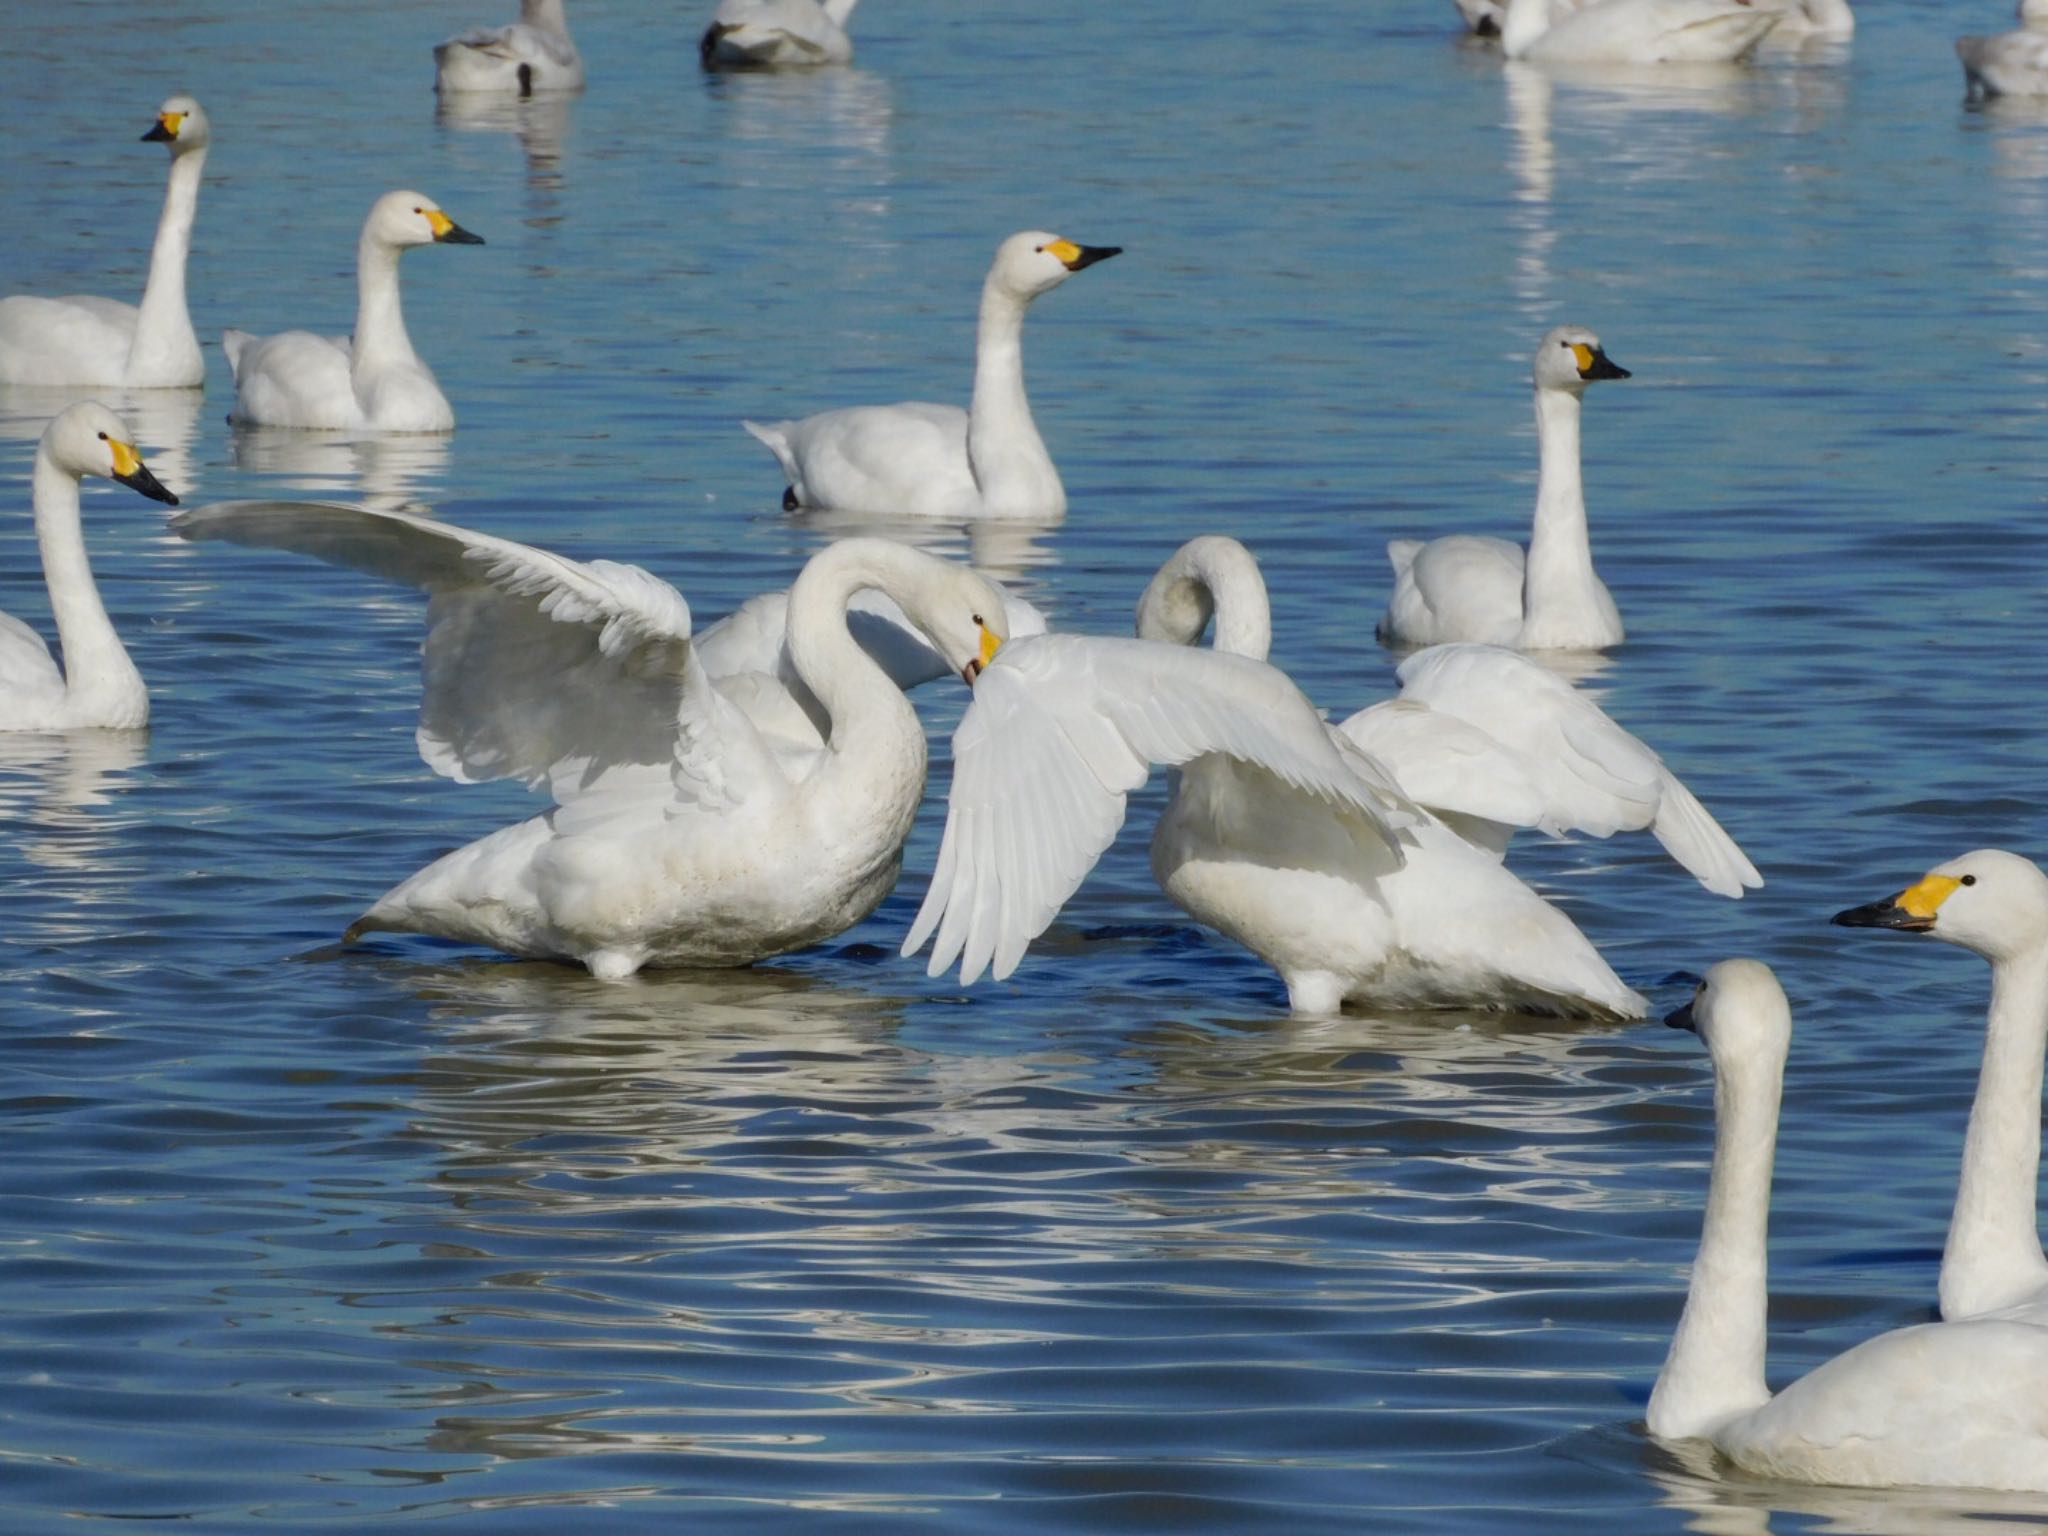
(691, 825)
(772, 34)
(1635, 31)
(85, 340)
(534, 53)
(2009, 63)
(98, 685)
(1951, 1404)
(1466, 587)
(1996, 905)
(373, 380)
(922, 460)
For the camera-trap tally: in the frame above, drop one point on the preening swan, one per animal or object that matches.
(2009, 63)
(85, 340)
(697, 821)
(1951, 1404)
(769, 34)
(1635, 31)
(534, 53)
(923, 460)
(372, 380)
(1466, 587)
(1995, 905)
(98, 685)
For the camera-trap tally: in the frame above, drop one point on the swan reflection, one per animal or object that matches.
(1010, 549)
(53, 787)
(540, 122)
(166, 423)
(388, 471)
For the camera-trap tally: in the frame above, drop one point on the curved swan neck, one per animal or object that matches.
(164, 336)
(1994, 1254)
(99, 679)
(873, 728)
(380, 336)
(1007, 456)
(1209, 577)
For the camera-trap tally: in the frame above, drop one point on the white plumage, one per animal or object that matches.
(2009, 63)
(777, 34)
(535, 53)
(1634, 31)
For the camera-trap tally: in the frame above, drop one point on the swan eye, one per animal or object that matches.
(977, 618)
(1969, 880)
(103, 437)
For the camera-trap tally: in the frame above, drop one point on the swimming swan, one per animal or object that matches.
(2009, 63)
(690, 825)
(1466, 587)
(769, 34)
(534, 53)
(373, 380)
(98, 685)
(1635, 31)
(1951, 1404)
(1995, 905)
(922, 460)
(85, 340)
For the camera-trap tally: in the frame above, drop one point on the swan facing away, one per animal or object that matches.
(922, 460)
(98, 685)
(1996, 905)
(1466, 587)
(2009, 63)
(698, 821)
(372, 380)
(777, 34)
(534, 53)
(1635, 31)
(85, 340)
(1950, 1404)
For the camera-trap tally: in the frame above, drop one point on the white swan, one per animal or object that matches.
(97, 685)
(1952, 1404)
(1466, 587)
(1483, 18)
(768, 34)
(1801, 21)
(922, 460)
(1995, 905)
(81, 339)
(697, 821)
(372, 380)
(2009, 63)
(1635, 31)
(534, 53)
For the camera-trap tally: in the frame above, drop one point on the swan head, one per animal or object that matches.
(964, 615)
(1741, 1012)
(1036, 262)
(88, 439)
(412, 218)
(1990, 902)
(1571, 357)
(181, 123)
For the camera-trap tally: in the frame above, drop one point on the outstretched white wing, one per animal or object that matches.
(1061, 730)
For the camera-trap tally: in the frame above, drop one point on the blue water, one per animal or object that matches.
(292, 1236)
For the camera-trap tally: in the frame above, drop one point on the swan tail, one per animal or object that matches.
(1690, 835)
(774, 436)
(1401, 554)
(234, 343)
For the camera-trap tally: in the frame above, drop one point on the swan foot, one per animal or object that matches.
(1316, 994)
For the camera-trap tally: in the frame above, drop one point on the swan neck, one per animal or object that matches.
(1559, 575)
(546, 14)
(1004, 451)
(380, 337)
(873, 732)
(1524, 22)
(163, 322)
(96, 664)
(1210, 579)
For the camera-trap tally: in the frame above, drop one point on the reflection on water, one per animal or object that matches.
(848, 110)
(540, 123)
(52, 786)
(166, 423)
(391, 472)
(1014, 550)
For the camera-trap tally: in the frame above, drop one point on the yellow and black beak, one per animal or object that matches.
(133, 473)
(1911, 911)
(448, 232)
(1594, 363)
(991, 642)
(1074, 257)
(166, 129)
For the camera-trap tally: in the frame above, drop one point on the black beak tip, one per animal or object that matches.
(146, 483)
(1882, 914)
(457, 235)
(1681, 1018)
(1091, 254)
(158, 134)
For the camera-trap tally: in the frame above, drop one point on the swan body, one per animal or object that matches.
(1996, 905)
(1483, 18)
(1635, 31)
(2009, 63)
(694, 823)
(923, 460)
(1811, 21)
(1489, 590)
(534, 53)
(1951, 1404)
(371, 381)
(774, 34)
(98, 685)
(84, 340)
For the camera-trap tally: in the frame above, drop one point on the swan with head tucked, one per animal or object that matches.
(1950, 1404)
(697, 821)
(1635, 31)
(1996, 905)
(1466, 587)
(2009, 63)
(372, 380)
(98, 685)
(534, 53)
(922, 460)
(81, 339)
(777, 34)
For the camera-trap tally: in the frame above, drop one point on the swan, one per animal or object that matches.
(767, 34)
(1469, 588)
(98, 685)
(1996, 905)
(1483, 18)
(1635, 31)
(1950, 1404)
(2009, 63)
(922, 460)
(697, 821)
(534, 53)
(81, 339)
(373, 380)
(1811, 21)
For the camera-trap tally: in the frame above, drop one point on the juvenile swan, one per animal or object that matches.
(1950, 1404)
(771, 34)
(85, 340)
(1635, 31)
(2009, 63)
(98, 685)
(534, 53)
(922, 460)
(372, 380)
(1466, 587)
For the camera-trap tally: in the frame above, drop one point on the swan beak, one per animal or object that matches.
(1074, 257)
(1681, 1018)
(166, 129)
(1594, 363)
(133, 473)
(1911, 911)
(991, 642)
(448, 232)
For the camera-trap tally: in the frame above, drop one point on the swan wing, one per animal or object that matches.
(27, 669)
(1061, 730)
(1448, 766)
